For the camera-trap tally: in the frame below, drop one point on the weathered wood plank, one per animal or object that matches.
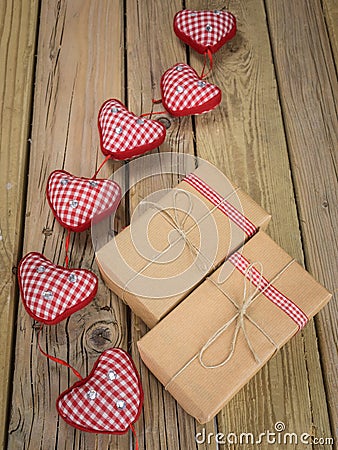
(246, 140)
(152, 48)
(309, 103)
(330, 8)
(75, 74)
(80, 64)
(18, 25)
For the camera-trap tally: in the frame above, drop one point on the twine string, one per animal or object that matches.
(179, 225)
(249, 297)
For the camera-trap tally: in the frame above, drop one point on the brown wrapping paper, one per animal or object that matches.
(172, 349)
(151, 266)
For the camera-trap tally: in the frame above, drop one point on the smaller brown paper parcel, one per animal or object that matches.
(174, 244)
(202, 354)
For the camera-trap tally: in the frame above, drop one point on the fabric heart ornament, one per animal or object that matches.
(76, 201)
(205, 30)
(109, 400)
(124, 135)
(50, 293)
(185, 93)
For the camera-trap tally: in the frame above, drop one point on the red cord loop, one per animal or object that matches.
(135, 437)
(154, 102)
(67, 249)
(100, 166)
(209, 55)
(153, 112)
(57, 360)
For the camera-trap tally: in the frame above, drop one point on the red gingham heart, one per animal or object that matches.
(124, 135)
(185, 93)
(50, 293)
(109, 400)
(205, 30)
(76, 201)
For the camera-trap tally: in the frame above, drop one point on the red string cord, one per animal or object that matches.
(153, 112)
(67, 249)
(57, 360)
(135, 437)
(100, 166)
(154, 102)
(209, 55)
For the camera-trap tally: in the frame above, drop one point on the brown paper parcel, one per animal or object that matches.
(168, 249)
(201, 331)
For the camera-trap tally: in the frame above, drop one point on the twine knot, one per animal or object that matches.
(239, 317)
(179, 224)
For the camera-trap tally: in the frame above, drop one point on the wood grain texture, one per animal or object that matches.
(80, 64)
(94, 49)
(18, 26)
(246, 140)
(152, 48)
(330, 8)
(309, 105)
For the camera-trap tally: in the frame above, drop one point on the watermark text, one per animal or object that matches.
(278, 436)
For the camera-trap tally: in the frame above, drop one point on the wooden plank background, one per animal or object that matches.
(310, 115)
(80, 64)
(274, 135)
(18, 28)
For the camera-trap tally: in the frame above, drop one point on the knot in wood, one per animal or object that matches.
(102, 335)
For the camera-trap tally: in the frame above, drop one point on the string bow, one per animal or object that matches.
(240, 317)
(178, 223)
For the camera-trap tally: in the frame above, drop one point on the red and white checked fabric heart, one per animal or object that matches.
(205, 30)
(50, 293)
(184, 93)
(109, 400)
(124, 135)
(76, 201)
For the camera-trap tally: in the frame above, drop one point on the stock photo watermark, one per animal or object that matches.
(192, 226)
(279, 435)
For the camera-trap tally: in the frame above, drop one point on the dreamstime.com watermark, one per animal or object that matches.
(277, 436)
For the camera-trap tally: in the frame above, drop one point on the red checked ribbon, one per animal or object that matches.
(223, 205)
(270, 292)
